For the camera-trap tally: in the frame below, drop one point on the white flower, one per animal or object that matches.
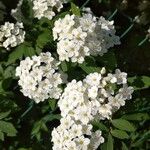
(117, 101)
(76, 137)
(97, 96)
(39, 77)
(17, 13)
(126, 92)
(47, 8)
(79, 37)
(92, 92)
(11, 35)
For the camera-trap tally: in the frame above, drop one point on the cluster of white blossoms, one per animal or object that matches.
(11, 35)
(79, 37)
(97, 97)
(17, 13)
(47, 8)
(39, 77)
(71, 135)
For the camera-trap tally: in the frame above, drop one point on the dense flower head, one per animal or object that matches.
(17, 13)
(79, 37)
(97, 96)
(71, 135)
(11, 35)
(47, 8)
(39, 77)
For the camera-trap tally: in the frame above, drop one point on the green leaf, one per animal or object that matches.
(139, 82)
(8, 128)
(64, 66)
(7, 83)
(36, 127)
(108, 60)
(143, 138)
(29, 51)
(99, 125)
(9, 72)
(123, 125)
(52, 103)
(16, 54)
(51, 117)
(136, 117)
(89, 69)
(1, 136)
(43, 39)
(26, 10)
(124, 147)
(119, 134)
(75, 9)
(110, 142)
(4, 114)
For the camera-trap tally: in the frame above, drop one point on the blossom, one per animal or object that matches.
(39, 77)
(95, 97)
(47, 8)
(75, 137)
(79, 37)
(11, 35)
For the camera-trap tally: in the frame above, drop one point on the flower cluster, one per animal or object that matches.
(98, 96)
(39, 77)
(11, 35)
(17, 13)
(79, 37)
(46, 8)
(71, 135)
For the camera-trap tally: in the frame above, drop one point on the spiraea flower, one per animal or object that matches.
(79, 37)
(47, 8)
(98, 95)
(39, 77)
(17, 13)
(11, 35)
(71, 135)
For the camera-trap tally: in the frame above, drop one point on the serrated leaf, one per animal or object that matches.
(75, 9)
(29, 51)
(123, 125)
(124, 147)
(8, 128)
(110, 142)
(100, 126)
(16, 54)
(1, 136)
(136, 117)
(43, 39)
(119, 134)
(4, 114)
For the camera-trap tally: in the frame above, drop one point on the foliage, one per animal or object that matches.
(26, 126)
